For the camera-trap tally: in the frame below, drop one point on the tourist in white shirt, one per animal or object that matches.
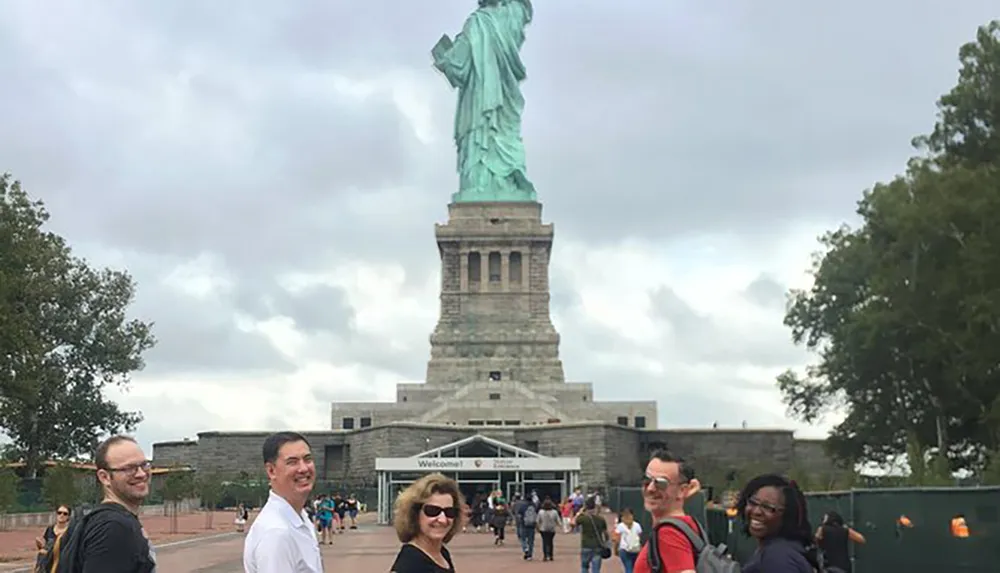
(627, 535)
(282, 539)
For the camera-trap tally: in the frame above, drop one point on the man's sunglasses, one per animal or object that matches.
(433, 511)
(662, 483)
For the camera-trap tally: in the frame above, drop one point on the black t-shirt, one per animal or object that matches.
(412, 560)
(113, 542)
(835, 547)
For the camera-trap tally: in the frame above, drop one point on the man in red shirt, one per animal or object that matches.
(668, 482)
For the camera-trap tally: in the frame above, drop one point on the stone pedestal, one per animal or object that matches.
(494, 297)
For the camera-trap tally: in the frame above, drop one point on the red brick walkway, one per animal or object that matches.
(18, 546)
(373, 548)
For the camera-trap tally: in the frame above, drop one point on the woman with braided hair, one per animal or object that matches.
(774, 512)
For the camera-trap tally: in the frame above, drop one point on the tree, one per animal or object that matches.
(64, 337)
(60, 486)
(966, 132)
(9, 490)
(209, 488)
(903, 311)
(178, 485)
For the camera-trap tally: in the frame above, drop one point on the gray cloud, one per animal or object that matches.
(766, 292)
(699, 338)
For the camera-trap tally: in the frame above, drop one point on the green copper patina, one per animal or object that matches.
(484, 63)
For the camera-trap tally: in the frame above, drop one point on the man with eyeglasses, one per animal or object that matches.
(283, 539)
(668, 483)
(110, 538)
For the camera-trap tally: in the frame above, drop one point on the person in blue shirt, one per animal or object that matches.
(324, 517)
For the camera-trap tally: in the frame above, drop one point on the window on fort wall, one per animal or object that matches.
(475, 268)
(476, 423)
(366, 422)
(495, 376)
(512, 422)
(494, 422)
(347, 423)
(640, 421)
(622, 420)
(531, 446)
(494, 396)
(495, 267)
(515, 267)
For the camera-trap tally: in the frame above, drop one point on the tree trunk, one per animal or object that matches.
(31, 461)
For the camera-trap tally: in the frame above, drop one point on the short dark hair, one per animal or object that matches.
(273, 443)
(101, 453)
(683, 466)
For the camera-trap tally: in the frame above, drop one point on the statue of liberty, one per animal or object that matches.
(484, 63)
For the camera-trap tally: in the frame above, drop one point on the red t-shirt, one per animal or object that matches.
(676, 552)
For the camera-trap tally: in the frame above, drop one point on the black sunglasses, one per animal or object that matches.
(433, 511)
(662, 483)
(62, 512)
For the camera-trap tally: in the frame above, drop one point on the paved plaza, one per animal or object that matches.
(372, 550)
(195, 548)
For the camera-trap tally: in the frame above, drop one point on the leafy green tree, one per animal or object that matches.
(966, 132)
(64, 337)
(177, 486)
(902, 311)
(10, 486)
(209, 488)
(61, 486)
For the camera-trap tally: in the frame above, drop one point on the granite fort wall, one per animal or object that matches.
(610, 454)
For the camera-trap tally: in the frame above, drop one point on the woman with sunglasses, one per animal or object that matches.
(774, 513)
(46, 543)
(427, 516)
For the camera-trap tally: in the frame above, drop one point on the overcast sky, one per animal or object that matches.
(270, 173)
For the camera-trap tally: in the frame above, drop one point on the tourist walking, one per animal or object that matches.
(774, 513)
(528, 519)
(548, 523)
(242, 516)
(628, 539)
(282, 539)
(324, 519)
(48, 552)
(428, 514)
(834, 538)
(499, 522)
(593, 537)
(109, 538)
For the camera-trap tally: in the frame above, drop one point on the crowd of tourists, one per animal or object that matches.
(286, 533)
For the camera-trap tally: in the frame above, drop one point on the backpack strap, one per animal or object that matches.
(698, 542)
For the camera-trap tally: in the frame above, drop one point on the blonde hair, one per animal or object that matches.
(406, 512)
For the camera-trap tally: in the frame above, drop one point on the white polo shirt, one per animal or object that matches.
(281, 540)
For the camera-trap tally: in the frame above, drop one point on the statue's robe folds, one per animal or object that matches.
(484, 63)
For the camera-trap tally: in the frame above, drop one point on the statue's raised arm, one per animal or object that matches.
(484, 63)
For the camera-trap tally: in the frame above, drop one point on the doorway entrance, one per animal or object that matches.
(510, 469)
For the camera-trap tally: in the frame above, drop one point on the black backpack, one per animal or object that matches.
(62, 556)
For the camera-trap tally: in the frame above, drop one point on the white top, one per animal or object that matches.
(281, 540)
(631, 539)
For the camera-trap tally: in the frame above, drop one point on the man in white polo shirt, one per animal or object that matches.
(282, 539)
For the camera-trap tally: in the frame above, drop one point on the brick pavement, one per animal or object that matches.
(18, 545)
(373, 548)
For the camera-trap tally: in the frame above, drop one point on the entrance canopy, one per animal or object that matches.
(477, 453)
(479, 464)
